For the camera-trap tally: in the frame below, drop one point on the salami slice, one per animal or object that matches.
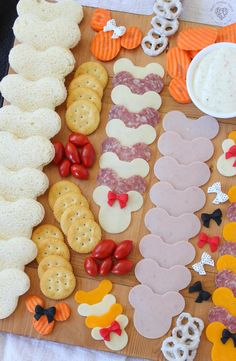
(152, 82)
(109, 178)
(220, 314)
(228, 248)
(134, 120)
(226, 279)
(139, 150)
(231, 212)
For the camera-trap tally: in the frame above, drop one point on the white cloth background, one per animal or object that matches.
(18, 348)
(129, 6)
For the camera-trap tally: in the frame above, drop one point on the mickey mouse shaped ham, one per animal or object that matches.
(153, 313)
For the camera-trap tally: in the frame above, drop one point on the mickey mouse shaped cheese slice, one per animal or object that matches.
(114, 336)
(223, 342)
(115, 209)
(226, 163)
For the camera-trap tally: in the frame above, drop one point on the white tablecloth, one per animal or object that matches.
(17, 348)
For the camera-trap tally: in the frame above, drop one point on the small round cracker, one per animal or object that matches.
(46, 231)
(86, 81)
(60, 188)
(72, 214)
(52, 246)
(57, 283)
(84, 94)
(95, 69)
(53, 261)
(67, 200)
(82, 117)
(84, 235)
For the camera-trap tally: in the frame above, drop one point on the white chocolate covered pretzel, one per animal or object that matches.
(164, 27)
(154, 44)
(174, 351)
(185, 339)
(185, 319)
(168, 9)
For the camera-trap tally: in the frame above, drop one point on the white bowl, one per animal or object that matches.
(190, 74)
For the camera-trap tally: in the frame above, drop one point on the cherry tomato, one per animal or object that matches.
(90, 266)
(123, 249)
(122, 267)
(105, 266)
(104, 249)
(59, 152)
(64, 168)
(79, 171)
(88, 155)
(78, 139)
(72, 153)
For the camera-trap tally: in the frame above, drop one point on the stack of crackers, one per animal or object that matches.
(84, 98)
(71, 210)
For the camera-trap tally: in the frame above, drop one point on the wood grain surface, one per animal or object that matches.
(74, 331)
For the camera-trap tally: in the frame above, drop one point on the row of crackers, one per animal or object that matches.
(71, 210)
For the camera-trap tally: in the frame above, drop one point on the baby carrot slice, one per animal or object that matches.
(177, 63)
(178, 91)
(99, 19)
(227, 33)
(132, 38)
(62, 312)
(103, 47)
(196, 38)
(32, 301)
(193, 53)
(42, 326)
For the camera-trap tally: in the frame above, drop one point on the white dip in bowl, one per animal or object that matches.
(211, 80)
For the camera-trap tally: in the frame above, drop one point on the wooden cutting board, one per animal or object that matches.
(74, 331)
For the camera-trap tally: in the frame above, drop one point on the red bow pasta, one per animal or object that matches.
(212, 241)
(121, 198)
(231, 153)
(106, 332)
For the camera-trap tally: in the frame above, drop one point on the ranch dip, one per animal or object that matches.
(214, 80)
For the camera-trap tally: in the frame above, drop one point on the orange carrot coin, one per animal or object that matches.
(62, 312)
(42, 326)
(103, 47)
(196, 38)
(177, 62)
(32, 301)
(99, 19)
(193, 53)
(132, 38)
(178, 91)
(227, 33)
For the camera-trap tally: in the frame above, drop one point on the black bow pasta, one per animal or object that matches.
(48, 312)
(203, 295)
(226, 335)
(215, 216)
